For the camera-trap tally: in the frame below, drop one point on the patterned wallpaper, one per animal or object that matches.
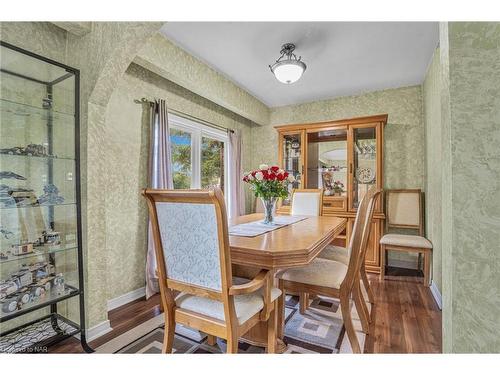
(163, 57)
(472, 272)
(404, 132)
(403, 135)
(433, 142)
(126, 139)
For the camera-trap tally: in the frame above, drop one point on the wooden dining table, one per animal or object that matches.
(293, 245)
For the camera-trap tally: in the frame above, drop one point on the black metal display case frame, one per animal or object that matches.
(38, 331)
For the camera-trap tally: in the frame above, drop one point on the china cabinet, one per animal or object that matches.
(345, 159)
(41, 261)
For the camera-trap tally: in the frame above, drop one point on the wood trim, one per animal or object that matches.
(253, 285)
(352, 121)
(194, 289)
(334, 204)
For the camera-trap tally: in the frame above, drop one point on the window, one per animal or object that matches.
(199, 153)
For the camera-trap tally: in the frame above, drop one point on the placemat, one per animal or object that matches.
(256, 228)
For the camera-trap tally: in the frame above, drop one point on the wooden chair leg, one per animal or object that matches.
(382, 262)
(368, 287)
(281, 310)
(427, 268)
(168, 339)
(303, 302)
(349, 327)
(211, 340)
(232, 345)
(271, 330)
(361, 308)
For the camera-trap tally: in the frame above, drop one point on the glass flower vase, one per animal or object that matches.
(269, 209)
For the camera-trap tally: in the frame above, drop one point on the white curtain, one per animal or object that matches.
(236, 193)
(160, 177)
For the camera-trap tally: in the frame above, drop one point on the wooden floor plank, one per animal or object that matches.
(405, 319)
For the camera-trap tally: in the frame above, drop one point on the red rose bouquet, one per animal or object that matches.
(269, 183)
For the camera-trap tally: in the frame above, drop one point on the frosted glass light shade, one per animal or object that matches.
(288, 71)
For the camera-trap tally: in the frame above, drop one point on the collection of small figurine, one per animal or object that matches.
(21, 197)
(32, 149)
(30, 283)
(49, 238)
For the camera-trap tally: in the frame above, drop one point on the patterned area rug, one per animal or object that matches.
(319, 330)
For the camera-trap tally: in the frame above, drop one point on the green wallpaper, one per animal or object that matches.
(163, 57)
(404, 132)
(433, 142)
(471, 277)
(404, 149)
(126, 139)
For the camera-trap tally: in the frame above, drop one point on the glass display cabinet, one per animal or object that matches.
(291, 150)
(344, 158)
(41, 264)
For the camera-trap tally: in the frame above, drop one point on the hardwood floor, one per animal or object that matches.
(406, 319)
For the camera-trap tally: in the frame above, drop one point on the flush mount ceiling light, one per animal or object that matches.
(288, 68)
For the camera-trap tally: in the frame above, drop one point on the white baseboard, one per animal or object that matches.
(436, 295)
(97, 331)
(126, 298)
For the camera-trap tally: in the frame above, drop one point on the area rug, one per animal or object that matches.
(319, 330)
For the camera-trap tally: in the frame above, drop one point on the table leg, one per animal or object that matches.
(257, 335)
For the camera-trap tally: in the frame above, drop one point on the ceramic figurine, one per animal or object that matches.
(30, 283)
(5, 198)
(8, 174)
(12, 151)
(51, 237)
(6, 233)
(50, 195)
(32, 149)
(59, 283)
(21, 249)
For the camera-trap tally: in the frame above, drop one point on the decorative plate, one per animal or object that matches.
(365, 175)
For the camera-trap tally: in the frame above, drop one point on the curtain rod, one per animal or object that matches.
(187, 116)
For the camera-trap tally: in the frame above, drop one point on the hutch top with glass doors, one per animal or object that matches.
(41, 261)
(345, 159)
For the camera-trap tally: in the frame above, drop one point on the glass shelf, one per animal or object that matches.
(39, 111)
(51, 297)
(39, 205)
(39, 251)
(44, 158)
(38, 335)
(9, 107)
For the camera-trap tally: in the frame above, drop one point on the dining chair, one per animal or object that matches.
(308, 202)
(191, 240)
(342, 255)
(404, 209)
(258, 206)
(336, 279)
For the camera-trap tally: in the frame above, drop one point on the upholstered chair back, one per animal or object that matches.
(191, 239)
(358, 243)
(307, 202)
(404, 209)
(259, 206)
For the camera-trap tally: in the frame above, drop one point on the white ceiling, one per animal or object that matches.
(343, 58)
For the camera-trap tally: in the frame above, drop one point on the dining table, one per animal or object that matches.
(293, 245)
